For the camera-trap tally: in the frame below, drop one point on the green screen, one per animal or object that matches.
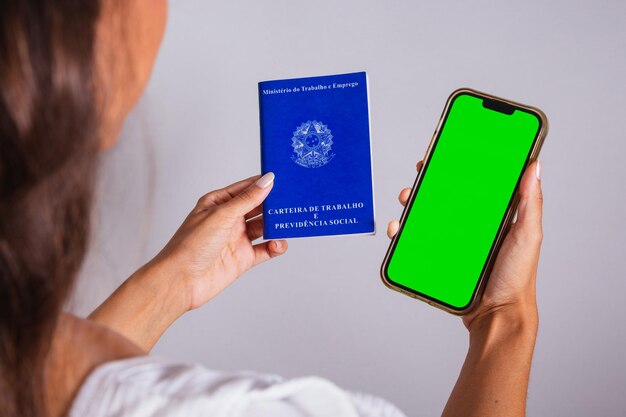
(459, 206)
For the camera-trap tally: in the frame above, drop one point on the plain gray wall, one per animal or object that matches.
(321, 309)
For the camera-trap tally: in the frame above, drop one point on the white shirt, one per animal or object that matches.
(154, 387)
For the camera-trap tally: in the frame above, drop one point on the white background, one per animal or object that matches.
(321, 309)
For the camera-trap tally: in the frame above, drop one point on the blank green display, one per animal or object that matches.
(461, 201)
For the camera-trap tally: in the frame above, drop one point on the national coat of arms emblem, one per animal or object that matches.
(311, 144)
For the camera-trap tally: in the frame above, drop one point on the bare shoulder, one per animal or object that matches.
(78, 347)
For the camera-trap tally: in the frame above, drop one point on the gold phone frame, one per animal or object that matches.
(495, 248)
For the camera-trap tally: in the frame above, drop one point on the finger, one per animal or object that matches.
(404, 195)
(392, 228)
(514, 220)
(251, 197)
(268, 250)
(254, 228)
(529, 213)
(223, 195)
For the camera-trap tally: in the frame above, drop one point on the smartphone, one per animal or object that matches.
(463, 199)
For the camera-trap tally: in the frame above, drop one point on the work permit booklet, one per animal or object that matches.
(315, 137)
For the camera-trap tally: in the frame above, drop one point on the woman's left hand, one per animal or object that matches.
(214, 245)
(210, 250)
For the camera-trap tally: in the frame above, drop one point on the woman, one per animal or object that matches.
(70, 72)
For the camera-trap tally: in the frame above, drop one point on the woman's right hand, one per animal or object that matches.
(511, 285)
(503, 326)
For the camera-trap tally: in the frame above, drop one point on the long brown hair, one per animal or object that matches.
(48, 152)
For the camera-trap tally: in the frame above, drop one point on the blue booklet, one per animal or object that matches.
(315, 137)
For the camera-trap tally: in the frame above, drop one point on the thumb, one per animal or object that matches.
(252, 196)
(531, 204)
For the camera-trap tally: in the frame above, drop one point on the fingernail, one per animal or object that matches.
(538, 170)
(277, 245)
(265, 180)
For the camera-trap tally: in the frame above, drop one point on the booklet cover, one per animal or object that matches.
(315, 137)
